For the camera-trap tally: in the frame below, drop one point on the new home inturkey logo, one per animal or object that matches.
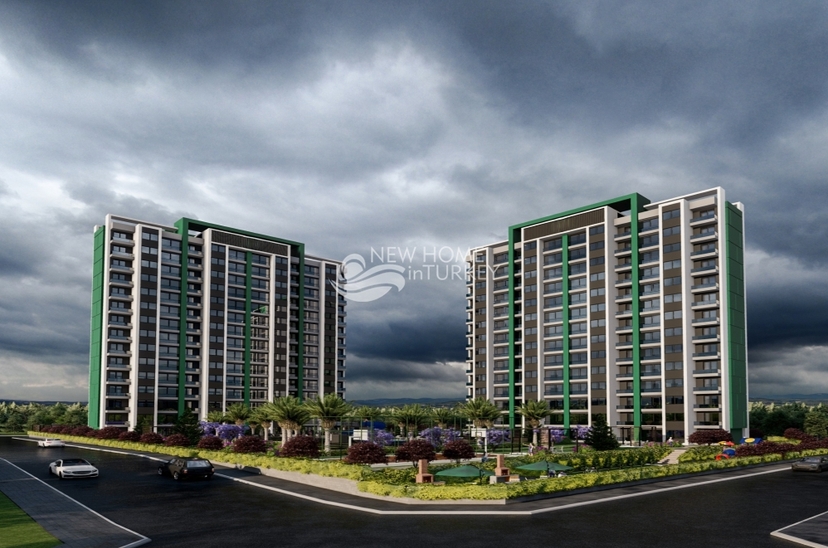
(364, 286)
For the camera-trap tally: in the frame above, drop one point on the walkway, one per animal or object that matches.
(70, 521)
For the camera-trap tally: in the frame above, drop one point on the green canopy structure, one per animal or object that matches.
(465, 471)
(545, 466)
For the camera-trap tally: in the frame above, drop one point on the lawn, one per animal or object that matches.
(21, 531)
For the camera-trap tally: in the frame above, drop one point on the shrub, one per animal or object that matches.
(82, 431)
(130, 436)
(64, 430)
(177, 440)
(706, 437)
(765, 448)
(213, 443)
(458, 449)
(796, 434)
(108, 433)
(366, 453)
(249, 444)
(152, 438)
(415, 450)
(300, 446)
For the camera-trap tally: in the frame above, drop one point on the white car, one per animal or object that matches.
(51, 442)
(73, 468)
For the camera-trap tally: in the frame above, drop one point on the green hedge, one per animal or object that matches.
(331, 469)
(619, 458)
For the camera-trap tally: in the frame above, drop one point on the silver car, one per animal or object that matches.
(810, 464)
(73, 468)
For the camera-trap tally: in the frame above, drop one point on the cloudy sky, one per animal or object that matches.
(354, 126)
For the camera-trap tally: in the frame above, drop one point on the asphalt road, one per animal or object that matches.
(224, 513)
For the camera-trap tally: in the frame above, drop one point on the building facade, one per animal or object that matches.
(626, 308)
(200, 316)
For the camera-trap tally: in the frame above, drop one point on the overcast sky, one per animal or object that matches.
(359, 125)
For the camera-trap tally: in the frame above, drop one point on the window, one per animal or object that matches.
(672, 247)
(596, 230)
(669, 265)
(674, 315)
(597, 307)
(597, 276)
(596, 245)
(671, 214)
(151, 236)
(649, 224)
(671, 231)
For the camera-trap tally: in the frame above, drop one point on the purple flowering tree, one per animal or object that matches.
(438, 437)
(556, 435)
(208, 428)
(229, 432)
(382, 438)
(496, 437)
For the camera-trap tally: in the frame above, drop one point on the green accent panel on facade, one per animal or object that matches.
(636, 207)
(622, 203)
(248, 322)
(514, 234)
(183, 226)
(737, 336)
(565, 297)
(96, 328)
(300, 347)
(200, 226)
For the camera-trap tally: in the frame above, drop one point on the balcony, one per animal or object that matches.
(704, 252)
(697, 305)
(700, 372)
(698, 389)
(702, 236)
(703, 219)
(710, 269)
(709, 337)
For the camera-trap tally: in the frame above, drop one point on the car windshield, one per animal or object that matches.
(812, 459)
(73, 462)
(198, 464)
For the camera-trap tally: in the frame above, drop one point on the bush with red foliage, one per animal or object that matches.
(249, 444)
(706, 437)
(796, 434)
(109, 433)
(300, 446)
(366, 453)
(458, 449)
(82, 431)
(64, 429)
(177, 440)
(152, 438)
(415, 450)
(130, 436)
(812, 443)
(765, 448)
(212, 443)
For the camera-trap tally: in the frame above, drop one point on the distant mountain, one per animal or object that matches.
(390, 402)
(24, 402)
(810, 399)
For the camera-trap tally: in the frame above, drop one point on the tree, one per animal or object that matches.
(366, 453)
(238, 413)
(262, 417)
(816, 422)
(415, 450)
(442, 416)
(534, 412)
(216, 416)
(458, 449)
(480, 411)
(187, 425)
(289, 414)
(329, 409)
(707, 437)
(410, 417)
(600, 436)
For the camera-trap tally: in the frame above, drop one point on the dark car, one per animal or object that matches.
(189, 468)
(810, 464)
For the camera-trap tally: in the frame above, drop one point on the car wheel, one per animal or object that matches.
(50, 471)
(60, 475)
(210, 476)
(160, 471)
(176, 476)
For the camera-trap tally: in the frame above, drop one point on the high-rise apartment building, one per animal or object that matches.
(627, 308)
(200, 316)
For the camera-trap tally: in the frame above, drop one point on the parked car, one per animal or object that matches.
(810, 464)
(189, 468)
(51, 442)
(73, 468)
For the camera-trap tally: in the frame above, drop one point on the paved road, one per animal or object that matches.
(223, 513)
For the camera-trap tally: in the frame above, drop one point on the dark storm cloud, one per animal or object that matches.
(360, 124)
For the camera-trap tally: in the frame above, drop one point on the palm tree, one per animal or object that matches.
(329, 409)
(534, 412)
(238, 413)
(289, 414)
(408, 416)
(442, 416)
(261, 417)
(367, 413)
(216, 416)
(480, 411)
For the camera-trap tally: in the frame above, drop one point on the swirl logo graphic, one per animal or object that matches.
(364, 286)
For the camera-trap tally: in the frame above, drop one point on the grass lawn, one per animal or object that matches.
(19, 530)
